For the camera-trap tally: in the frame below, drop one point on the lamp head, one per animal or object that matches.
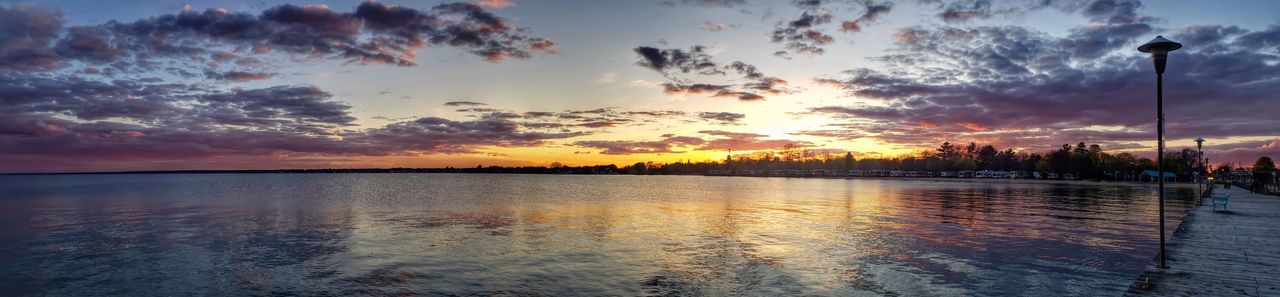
(1199, 140)
(1159, 49)
(1159, 46)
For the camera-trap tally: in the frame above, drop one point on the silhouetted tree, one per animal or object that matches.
(1263, 169)
(947, 151)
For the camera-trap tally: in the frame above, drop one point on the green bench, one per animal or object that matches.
(1220, 199)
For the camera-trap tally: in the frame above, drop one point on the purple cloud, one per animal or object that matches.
(1017, 87)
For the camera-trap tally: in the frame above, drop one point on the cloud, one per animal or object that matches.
(714, 3)
(657, 113)
(666, 61)
(726, 140)
(25, 35)
(872, 13)
(715, 27)
(607, 77)
(374, 33)
(668, 144)
(1024, 88)
(723, 118)
(237, 76)
(806, 34)
(960, 11)
(463, 103)
(257, 107)
(577, 120)
(494, 3)
(645, 84)
(35, 137)
(1245, 152)
(801, 36)
(672, 62)
(439, 135)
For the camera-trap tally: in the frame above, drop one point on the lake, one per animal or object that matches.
(555, 235)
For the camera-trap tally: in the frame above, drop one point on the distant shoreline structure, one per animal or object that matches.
(512, 170)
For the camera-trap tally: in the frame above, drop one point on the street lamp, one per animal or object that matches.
(1200, 160)
(1159, 49)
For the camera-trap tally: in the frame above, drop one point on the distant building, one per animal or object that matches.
(1150, 175)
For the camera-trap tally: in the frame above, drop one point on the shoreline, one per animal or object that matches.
(993, 180)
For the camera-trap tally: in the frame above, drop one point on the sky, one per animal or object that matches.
(180, 85)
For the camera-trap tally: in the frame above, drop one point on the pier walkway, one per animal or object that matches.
(1224, 253)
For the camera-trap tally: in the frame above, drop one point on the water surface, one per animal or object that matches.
(528, 235)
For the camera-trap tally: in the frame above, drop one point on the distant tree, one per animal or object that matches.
(1006, 160)
(1028, 162)
(986, 157)
(637, 168)
(848, 160)
(966, 164)
(1060, 160)
(934, 164)
(948, 151)
(1123, 162)
(1043, 165)
(1081, 149)
(971, 151)
(1145, 164)
(1264, 164)
(1263, 169)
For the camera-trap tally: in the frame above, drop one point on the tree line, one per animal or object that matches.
(1087, 161)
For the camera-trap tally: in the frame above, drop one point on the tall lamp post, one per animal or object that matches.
(1159, 49)
(1200, 160)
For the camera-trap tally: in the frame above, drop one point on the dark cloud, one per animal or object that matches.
(872, 13)
(374, 33)
(439, 135)
(25, 35)
(801, 36)
(806, 34)
(463, 103)
(237, 76)
(959, 11)
(666, 61)
(657, 113)
(31, 125)
(724, 118)
(671, 62)
(1264, 40)
(669, 144)
(281, 103)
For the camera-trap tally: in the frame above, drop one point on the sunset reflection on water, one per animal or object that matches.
(327, 234)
